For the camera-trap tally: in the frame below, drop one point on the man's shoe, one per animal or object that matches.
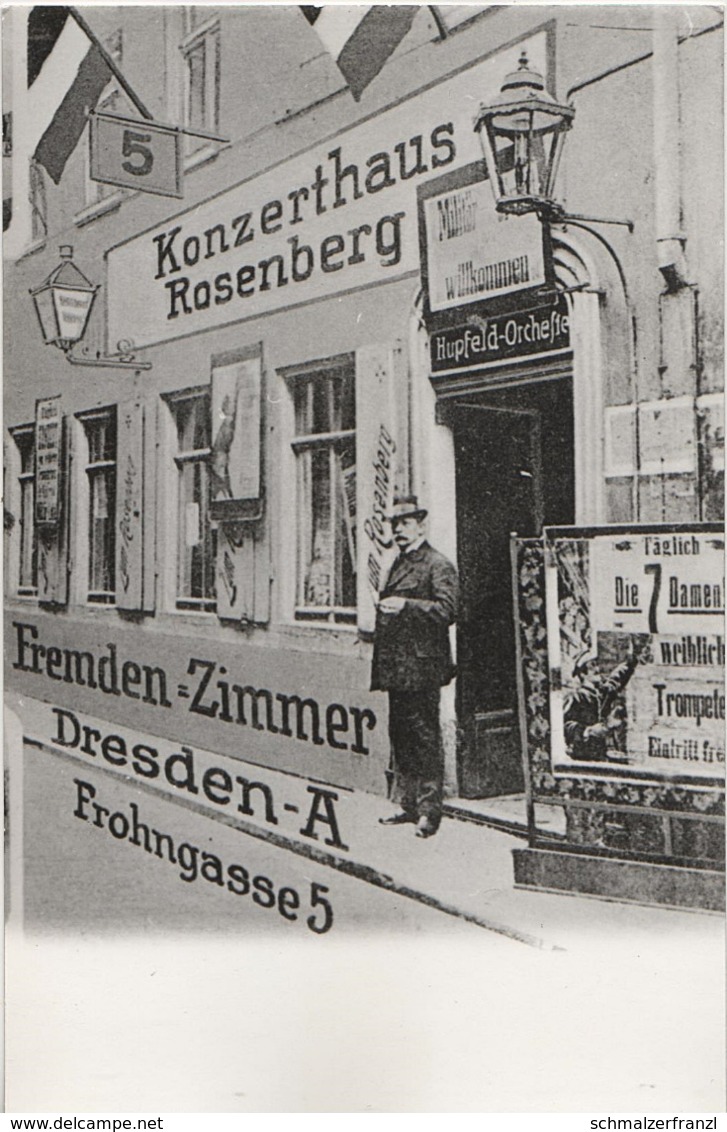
(399, 818)
(426, 827)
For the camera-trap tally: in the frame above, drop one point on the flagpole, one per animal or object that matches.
(111, 64)
(441, 25)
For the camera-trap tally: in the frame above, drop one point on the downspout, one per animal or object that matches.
(670, 239)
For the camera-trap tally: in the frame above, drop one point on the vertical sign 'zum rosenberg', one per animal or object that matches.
(341, 216)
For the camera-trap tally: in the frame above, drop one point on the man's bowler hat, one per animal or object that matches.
(406, 505)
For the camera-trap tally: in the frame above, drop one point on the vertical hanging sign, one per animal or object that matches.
(129, 517)
(377, 460)
(48, 467)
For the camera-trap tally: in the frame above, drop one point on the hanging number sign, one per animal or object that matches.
(136, 154)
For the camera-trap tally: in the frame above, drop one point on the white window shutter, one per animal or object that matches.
(130, 505)
(381, 466)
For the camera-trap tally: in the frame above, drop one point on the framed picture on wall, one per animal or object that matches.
(235, 461)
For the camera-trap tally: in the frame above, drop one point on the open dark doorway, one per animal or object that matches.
(514, 472)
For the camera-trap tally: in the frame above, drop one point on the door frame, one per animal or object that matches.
(495, 730)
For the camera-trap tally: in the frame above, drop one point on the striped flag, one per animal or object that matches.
(360, 39)
(67, 71)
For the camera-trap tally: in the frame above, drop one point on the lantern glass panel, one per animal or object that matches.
(46, 312)
(73, 308)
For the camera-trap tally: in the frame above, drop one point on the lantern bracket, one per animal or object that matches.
(565, 217)
(125, 360)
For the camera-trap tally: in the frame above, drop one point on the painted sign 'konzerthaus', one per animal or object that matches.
(335, 311)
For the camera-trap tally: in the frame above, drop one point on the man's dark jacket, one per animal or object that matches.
(411, 648)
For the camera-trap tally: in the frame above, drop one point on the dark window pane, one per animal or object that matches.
(28, 578)
(302, 393)
(193, 423)
(196, 86)
(345, 468)
(196, 541)
(102, 530)
(345, 403)
(321, 407)
(101, 438)
(26, 447)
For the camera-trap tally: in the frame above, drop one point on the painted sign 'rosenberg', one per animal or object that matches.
(342, 215)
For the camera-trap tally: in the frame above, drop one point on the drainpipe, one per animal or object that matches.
(670, 239)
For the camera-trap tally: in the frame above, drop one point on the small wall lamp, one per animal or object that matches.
(522, 133)
(63, 304)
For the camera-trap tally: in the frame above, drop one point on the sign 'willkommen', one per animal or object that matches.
(476, 253)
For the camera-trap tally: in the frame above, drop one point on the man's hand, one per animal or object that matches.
(391, 605)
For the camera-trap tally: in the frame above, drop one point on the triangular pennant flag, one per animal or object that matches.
(68, 70)
(360, 39)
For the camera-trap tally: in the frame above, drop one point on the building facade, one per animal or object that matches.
(210, 571)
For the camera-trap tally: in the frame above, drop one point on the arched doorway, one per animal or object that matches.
(517, 462)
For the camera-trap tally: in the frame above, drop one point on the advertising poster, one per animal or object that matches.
(641, 653)
(48, 470)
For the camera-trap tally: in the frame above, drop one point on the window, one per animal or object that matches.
(100, 431)
(196, 540)
(38, 204)
(24, 438)
(325, 457)
(201, 55)
(110, 103)
(96, 191)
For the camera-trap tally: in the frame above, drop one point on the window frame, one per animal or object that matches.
(323, 371)
(19, 479)
(88, 471)
(204, 35)
(174, 461)
(97, 194)
(99, 197)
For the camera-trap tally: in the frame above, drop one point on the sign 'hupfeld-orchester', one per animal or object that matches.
(335, 218)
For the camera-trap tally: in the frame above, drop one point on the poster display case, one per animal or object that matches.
(621, 690)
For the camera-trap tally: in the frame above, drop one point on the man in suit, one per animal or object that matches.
(412, 660)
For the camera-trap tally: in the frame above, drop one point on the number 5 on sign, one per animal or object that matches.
(136, 154)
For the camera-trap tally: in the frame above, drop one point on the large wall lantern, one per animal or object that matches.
(63, 303)
(522, 133)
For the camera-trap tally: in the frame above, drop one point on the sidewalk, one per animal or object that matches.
(467, 870)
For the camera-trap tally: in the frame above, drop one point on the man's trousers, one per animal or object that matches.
(417, 757)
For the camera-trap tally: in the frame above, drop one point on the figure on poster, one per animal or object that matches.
(412, 660)
(594, 716)
(221, 445)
